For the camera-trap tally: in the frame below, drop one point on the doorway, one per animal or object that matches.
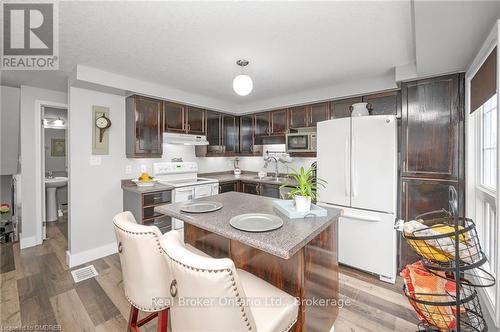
(54, 157)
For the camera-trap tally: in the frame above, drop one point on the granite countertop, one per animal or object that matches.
(245, 176)
(128, 185)
(283, 242)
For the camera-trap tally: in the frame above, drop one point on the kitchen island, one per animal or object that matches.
(299, 258)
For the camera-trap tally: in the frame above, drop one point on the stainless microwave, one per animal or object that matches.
(301, 142)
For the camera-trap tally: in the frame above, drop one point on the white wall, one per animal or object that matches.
(56, 164)
(31, 159)
(9, 129)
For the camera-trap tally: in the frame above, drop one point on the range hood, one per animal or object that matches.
(184, 139)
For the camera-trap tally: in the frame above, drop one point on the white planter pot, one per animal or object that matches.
(302, 203)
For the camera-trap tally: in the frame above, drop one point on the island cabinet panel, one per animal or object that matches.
(144, 127)
(298, 116)
(430, 131)
(317, 112)
(385, 103)
(341, 108)
(246, 134)
(310, 274)
(174, 117)
(195, 120)
(208, 242)
(279, 122)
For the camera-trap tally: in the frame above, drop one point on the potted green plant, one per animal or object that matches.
(303, 185)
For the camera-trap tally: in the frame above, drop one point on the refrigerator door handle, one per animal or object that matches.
(362, 218)
(353, 167)
(346, 165)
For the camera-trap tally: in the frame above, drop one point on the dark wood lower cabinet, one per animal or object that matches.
(228, 186)
(421, 196)
(250, 188)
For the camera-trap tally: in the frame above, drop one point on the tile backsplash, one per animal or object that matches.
(218, 164)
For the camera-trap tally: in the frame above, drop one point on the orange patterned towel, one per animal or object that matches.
(425, 286)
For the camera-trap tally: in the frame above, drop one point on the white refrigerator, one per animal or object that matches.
(357, 157)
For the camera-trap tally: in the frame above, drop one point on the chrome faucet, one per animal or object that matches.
(268, 158)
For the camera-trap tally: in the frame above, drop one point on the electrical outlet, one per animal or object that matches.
(95, 161)
(128, 169)
(143, 168)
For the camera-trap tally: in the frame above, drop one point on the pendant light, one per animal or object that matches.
(242, 84)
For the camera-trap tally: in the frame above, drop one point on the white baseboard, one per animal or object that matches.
(26, 242)
(89, 255)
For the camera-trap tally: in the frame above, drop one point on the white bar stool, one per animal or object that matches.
(211, 295)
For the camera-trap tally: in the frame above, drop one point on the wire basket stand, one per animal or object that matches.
(449, 248)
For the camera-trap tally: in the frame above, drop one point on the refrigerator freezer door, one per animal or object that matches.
(334, 161)
(367, 241)
(373, 163)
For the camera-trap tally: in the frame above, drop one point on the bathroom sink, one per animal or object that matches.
(52, 185)
(56, 182)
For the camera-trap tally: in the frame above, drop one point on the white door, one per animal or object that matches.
(373, 163)
(334, 161)
(367, 241)
(182, 195)
(203, 191)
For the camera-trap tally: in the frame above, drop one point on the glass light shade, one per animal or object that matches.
(242, 84)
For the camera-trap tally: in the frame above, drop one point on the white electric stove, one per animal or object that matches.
(183, 176)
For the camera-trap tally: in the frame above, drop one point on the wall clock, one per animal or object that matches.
(102, 123)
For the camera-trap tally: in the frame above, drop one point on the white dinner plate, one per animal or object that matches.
(201, 207)
(256, 222)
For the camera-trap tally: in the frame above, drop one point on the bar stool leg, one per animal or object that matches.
(163, 320)
(132, 320)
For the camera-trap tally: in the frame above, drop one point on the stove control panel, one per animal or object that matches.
(174, 168)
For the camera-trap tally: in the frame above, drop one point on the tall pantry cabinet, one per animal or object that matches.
(432, 149)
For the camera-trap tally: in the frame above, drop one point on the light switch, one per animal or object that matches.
(95, 160)
(128, 169)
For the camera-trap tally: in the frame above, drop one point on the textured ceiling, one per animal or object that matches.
(292, 46)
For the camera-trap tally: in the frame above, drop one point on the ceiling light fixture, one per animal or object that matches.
(242, 84)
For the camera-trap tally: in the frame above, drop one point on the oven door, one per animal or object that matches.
(297, 142)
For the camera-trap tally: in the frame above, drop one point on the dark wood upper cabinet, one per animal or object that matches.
(174, 117)
(430, 128)
(298, 117)
(214, 128)
(144, 127)
(246, 134)
(230, 134)
(385, 103)
(317, 112)
(262, 124)
(279, 122)
(340, 108)
(195, 120)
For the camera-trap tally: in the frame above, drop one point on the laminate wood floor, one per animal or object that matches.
(37, 289)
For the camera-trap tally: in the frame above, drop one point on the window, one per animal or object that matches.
(486, 179)
(488, 132)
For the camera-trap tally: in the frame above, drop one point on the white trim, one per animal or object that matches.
(39, 201)
(490, 43)
(89, 255)
(26, 242)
